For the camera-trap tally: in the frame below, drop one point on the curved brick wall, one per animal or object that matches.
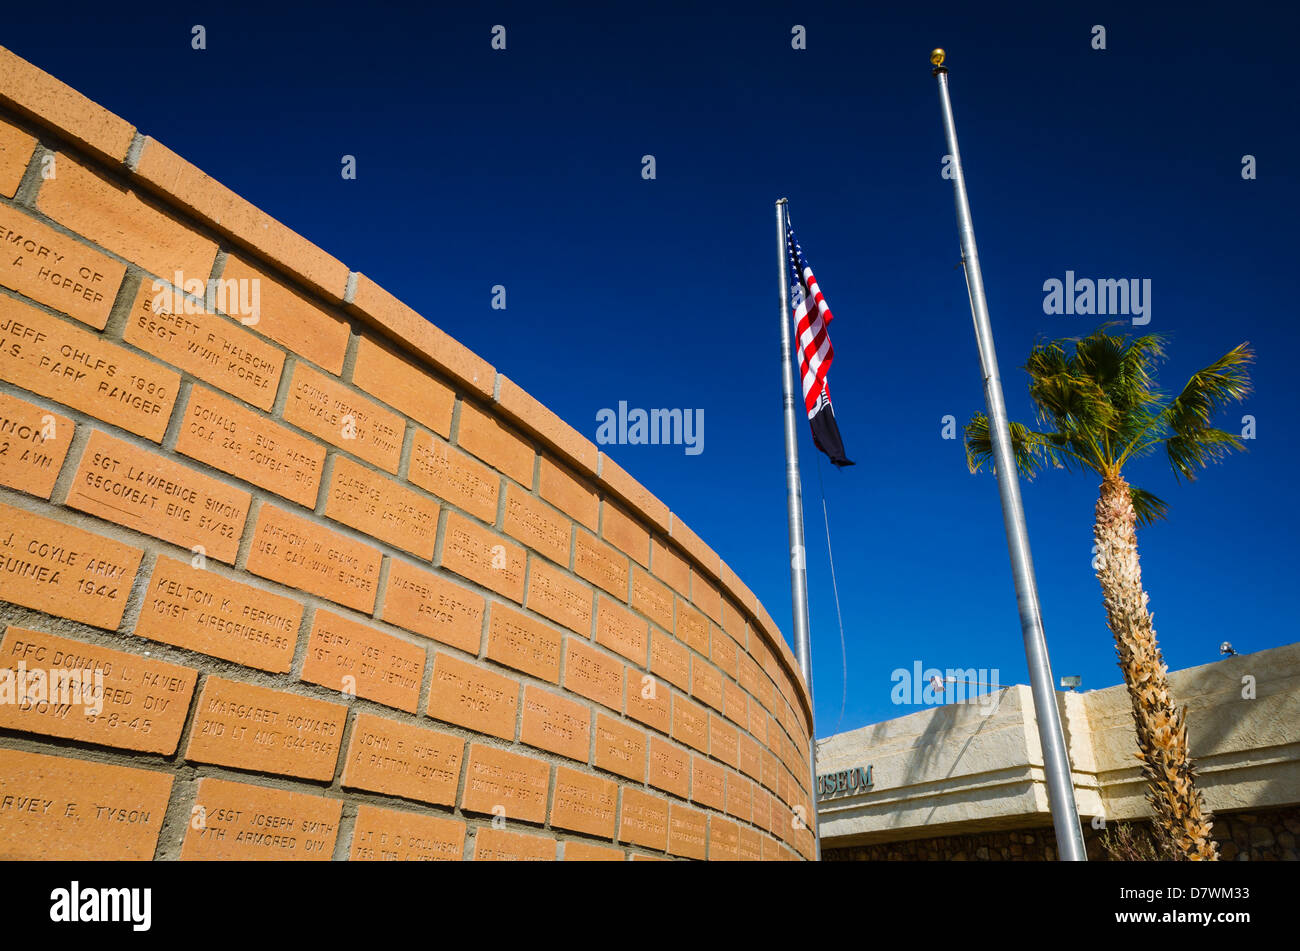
(352, 592)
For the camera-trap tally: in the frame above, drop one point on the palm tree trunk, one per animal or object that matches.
(1182, 825)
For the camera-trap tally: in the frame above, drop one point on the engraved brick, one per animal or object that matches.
(552, 722)
(584, 803)
(771, 850)
(708, 783)
(704, 594)
(568, 493)
(404, 386)
(668, 565)
(733, 621)
(35, 443)
(498, 845)
(620, 748)
(496, 445)
(64, 571)
(724, 840)
(723, 651)
(643, 819)
(670, 660)
(739, 791)
(692, 628)
(538, 526)
(243, 822)
(748, 673)
(584, 852)
(625, 534)
(622, 631)
(382, 668)
(250, 727)
(32, 91)
(515, 783)
(123, 221)
(301, 554)
(724, 741)
(455, 476)
(670, 768)
(638, 496)
(214, 349)
(514, 402)
(651, 598)
(556, 594)
(236, 440)
(470, 696)
(592, 674)
(648, 700)
(428, 604)
(116, 699)
(380, 507)
(690, 723)
(694, 546)
(16, 148)
(154, 495)
(482, 555)
(600, 564)
(687, 831)
(57, 270)
(326, 408)
(56, 807)
(201, 611)
(770, 770)
(97, 377)
(521, 642)
(389, 835)
(758, 721)
(748, 844)
(706, 683)
(734, 706)
(398, 759)
(289, 318)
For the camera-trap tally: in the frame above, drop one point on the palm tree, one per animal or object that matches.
(1100, 408)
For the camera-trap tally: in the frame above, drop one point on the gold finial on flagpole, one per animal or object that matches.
(937, 57)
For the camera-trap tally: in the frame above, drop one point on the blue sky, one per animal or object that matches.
(522, 168)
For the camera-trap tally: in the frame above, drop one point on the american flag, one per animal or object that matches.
(812, 317)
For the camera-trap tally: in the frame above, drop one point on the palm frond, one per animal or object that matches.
(1149, 508)
(1033, 451)
(1197, 448)
(1225, 380)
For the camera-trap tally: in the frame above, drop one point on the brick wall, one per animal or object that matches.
(352, 593)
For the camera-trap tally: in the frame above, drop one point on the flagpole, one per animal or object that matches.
(794, 510)
(1056, 761)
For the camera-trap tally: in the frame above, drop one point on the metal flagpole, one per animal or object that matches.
(794, 507)
(1056, 762)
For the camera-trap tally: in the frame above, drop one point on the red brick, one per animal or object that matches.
(497, 780)
(249, 727)
(749, 844)
(668, 565)
(600, 564)
(687, 831)
(470, 696)
(403, 385)
(593, 674)
(521, 642)
(690, 723)
(301, 554)
(733, 704)
(497, 845)
(749, 754)
(622, 631)
(708, 783)
(540, 527)
(53, 268)
(124, 221)
(670, 768)
(35, 445)
(704, 594)
(33, 92)
(739, 791)
(94, 812)
(398, 759)
(620, 748)
(584, 803)
(382, 508)
(389, 835)
(240, 821)
(556, 594)
(706, 683)
(65, 571)
(692, 628)
(428, 604)
(16, 147)
(583, 852)
(625, 534)
(651, 598)
(724, 840)
(554, 723)
(648, 700)
(455, 476)
(482, 435)
(357, 659)
(723, 651)
(327, 409)
(138, 703)
(724, 741)
(633, 492)
(733, 621)
(568, 493)
(643, 819)
(102, 380)
(482, 555)
(223, 434)
(532, 415)
(694, 546)
(670, 660)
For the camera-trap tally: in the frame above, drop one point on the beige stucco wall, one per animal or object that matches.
(979, 765)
